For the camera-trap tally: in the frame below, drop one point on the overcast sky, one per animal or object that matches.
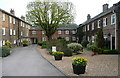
(83, 7)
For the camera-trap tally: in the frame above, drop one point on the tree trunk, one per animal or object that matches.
(49, 38)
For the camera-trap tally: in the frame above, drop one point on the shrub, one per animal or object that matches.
(75, 47)
(5, 51)
(107, 51)
(67, 51)
(44, 46)
(84, 42)
(25, 42)
(42, 43)
(8, 44)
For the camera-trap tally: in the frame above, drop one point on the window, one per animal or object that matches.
(3, 18)
(10, 31)
(73, 38)
(67, 32)
(113, 18)
(85, 28)
(67, 38)
(88, 27)
(93, 39)
(73, 31)
(10, 19)
(88, 38)
(59, 32)
(3, 31)
(21, 23)
(27, 34)
(93, 26)
(3, 42)
(13, 20)
(98, 23)
(14, 32)
(104, 22)
(0, 43)
(14, 41)
(33, 32)
(43, 32)
(21, 33)
(43, 39)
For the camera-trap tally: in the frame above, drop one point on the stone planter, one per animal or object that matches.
(59, 57)
(78, 69)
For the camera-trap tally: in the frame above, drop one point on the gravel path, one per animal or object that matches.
(27, 61)
(98, 65)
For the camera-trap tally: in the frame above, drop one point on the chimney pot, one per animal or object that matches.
(12, 11)
(88, 17)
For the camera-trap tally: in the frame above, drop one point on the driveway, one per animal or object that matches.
(27, 61)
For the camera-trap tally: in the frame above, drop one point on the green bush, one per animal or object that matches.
(42, 43)
(5, 51)
(67, 51)
(84, 42)
(107, 51)
(75, 47)
(25, 42)
(44, 46)
(8, 44)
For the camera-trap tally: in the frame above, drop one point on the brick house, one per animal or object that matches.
(68, 32)
(13, 28)
(109, 21)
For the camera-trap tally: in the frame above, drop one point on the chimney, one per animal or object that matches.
(105, 7)
(88, 17)
(23, 18)
(12, 11)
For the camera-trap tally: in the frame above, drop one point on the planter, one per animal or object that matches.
(59, 57)
(79, 69)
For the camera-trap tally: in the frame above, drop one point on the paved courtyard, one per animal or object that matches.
(27, 61)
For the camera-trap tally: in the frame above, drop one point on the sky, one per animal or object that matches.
(82, 7)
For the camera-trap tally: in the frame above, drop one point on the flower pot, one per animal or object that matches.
(59, 57)
(79, 69)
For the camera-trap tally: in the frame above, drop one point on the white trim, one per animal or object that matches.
(3, 18)
(93, 26)
(111, 42)
(59, 32)
(3, 31)
(112, 18)
(115, 33)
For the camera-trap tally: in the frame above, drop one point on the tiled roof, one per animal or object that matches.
(13, 16)
(60, 28)
(101, 14)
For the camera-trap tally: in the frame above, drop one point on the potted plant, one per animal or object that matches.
(79, 65)
(58, 55)
(25, 43)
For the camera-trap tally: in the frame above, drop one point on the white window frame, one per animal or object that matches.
(88, 38)
(93, 39)
(43, 32)
(73, 38)
(93, 25)
(43, 39)
(67, 32)
(104, 22)
(3, 17)
(10, 31)
(34, 32)
(85, 28)
(67, 38)
(73, 32)
(15, 41)
(14, 32)
(113, 16)
(3, 31)
(13, 20)
(21, 23)
(88, 27)
(59, 32)
(10, 19)
(3, 42)
(98, 23)
(21, 33)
